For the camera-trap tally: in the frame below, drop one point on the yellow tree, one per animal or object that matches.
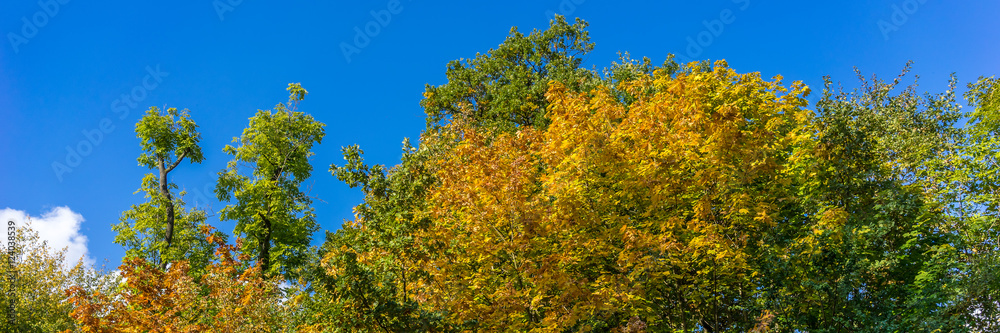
(624, 213)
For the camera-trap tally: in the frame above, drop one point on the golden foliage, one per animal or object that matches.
(647, 208)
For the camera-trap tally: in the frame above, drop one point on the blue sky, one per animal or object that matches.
(80, 73)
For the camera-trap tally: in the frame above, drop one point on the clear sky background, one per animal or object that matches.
(66, 65)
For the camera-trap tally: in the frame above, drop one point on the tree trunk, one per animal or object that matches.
(264, 257)
(165, 191)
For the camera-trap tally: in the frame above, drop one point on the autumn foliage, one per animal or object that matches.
(543, 197)
(229, 298)
(616, 215)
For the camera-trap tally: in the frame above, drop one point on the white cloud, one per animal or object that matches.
(59, 227)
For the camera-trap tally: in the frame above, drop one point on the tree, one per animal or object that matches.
(367, 267)
(161, 229)
(40, 277)
(505, 88)
(272, 213)
(617, 216)
(229, 297)
(876, 163)
(979, 203)
(680, 199)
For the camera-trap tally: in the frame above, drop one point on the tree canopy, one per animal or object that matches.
(161, 229)
(272, 213)
(546, 197)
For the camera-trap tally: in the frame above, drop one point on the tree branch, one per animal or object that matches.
(179, 159)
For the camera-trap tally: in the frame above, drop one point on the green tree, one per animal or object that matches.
(877, 160)
(366, 269)
(979, 203)
(272, 214)
(41, 277)
(505, 87)
(161, 229)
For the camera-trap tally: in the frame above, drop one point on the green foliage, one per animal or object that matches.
(40, 304)
(142, 230)
(878, 158)
(505, 87)
(978, 202)
(161, 230)
(169, 136)
(363, 279)
(272, 214)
